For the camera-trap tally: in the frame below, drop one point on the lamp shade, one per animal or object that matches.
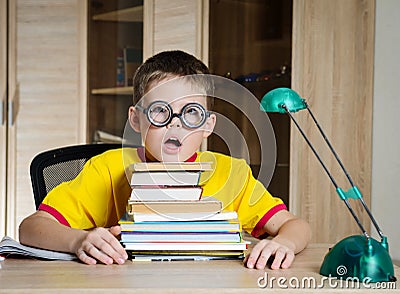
(274, 100)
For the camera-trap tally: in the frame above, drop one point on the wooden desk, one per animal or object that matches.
(33, 276)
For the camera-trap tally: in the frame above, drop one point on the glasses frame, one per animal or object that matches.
(204, 112)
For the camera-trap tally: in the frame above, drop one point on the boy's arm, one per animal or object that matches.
(42, 230)
(290, 236)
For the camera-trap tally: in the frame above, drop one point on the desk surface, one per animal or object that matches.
(19, 275)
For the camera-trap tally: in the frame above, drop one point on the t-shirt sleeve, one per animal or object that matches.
(254, 204)
(89, 200)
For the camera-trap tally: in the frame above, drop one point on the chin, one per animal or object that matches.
(174, 157)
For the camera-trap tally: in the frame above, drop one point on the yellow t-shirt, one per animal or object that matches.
(97, 197)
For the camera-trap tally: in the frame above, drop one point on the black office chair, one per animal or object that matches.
(50, 168)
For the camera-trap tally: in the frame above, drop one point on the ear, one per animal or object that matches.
(133, 115)
(208, 127)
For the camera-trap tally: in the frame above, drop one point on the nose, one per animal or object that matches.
(175, 121)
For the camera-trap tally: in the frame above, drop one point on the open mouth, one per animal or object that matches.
(174, 142)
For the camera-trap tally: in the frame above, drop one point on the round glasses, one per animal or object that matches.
(159, 113)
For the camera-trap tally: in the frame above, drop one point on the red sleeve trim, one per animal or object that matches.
(54, 212)
(192, 158)
(258, 229)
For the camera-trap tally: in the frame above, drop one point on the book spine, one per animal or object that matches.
(166, 194)
(120, 69)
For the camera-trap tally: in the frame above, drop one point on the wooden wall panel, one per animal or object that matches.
(332, 63)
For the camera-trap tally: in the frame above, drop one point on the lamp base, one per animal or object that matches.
(359, 257)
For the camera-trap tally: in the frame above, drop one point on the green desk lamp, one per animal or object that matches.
(359, 256)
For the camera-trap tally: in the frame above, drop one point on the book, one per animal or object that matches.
(120, 70)
(166, 178)
(170, 166)
(205, 204)
(104, 137)
(165, 193)
(183, 246)
(10, 247)
(197, 226)
(187, 252)
(132, 59)
(183, 216)
(220, 237)
(147, 258)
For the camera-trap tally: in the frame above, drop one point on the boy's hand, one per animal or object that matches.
(283, 256)
(101, 244)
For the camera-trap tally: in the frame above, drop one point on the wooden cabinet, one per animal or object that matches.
(42, 88)
(115, 50)
(52, 97)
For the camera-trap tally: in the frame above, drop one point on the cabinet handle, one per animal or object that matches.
(2, 109)
(13, 107)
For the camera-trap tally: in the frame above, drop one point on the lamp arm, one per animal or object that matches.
(358, 193)
(356, 218)
(344, 198)
(383, 237)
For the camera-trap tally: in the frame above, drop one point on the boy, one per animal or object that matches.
(81, 216)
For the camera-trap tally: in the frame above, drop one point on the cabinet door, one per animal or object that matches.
(12, 110)
(45, 86)
(141, 29)
(3, 103)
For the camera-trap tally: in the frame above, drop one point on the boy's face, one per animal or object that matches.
(174, 141)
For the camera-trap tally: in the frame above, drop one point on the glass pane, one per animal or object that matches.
(115, 43)
(250, 42)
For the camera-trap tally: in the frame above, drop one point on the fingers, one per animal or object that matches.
(100, 249)
(116, 245)
(280, 255)
(101, 245)
(258, 256)
(85, 258)
(264, 250)
(288, 260)
(115, 230)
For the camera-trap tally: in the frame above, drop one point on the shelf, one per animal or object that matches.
(113, 91)
(132, 14)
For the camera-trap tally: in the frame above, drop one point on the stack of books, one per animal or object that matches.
(168, 218)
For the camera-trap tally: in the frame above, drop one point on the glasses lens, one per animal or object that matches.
(159, 113)
(193, 115)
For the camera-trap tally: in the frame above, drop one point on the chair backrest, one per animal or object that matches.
(51, 168)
